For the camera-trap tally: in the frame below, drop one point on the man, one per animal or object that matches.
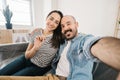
(76, 56)
(76, 60)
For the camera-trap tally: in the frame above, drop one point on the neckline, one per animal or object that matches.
(47, 34)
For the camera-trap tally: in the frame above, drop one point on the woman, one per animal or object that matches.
(43, 45)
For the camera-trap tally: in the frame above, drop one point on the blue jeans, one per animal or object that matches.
(23, 67)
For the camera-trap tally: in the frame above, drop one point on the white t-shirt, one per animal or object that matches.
(63, 64)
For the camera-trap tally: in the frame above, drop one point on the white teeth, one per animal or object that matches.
(68, 33)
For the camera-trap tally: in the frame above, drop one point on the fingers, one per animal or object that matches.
(40, 38)
(38, 42)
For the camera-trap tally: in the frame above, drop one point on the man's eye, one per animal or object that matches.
(68, 24)
(62, 26)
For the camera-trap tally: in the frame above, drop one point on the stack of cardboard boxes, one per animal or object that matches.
(13, 35)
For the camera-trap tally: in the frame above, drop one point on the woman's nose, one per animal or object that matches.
(52, 23)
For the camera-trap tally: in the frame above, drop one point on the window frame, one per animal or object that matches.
(4, 4)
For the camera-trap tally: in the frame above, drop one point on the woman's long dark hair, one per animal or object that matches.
(57, 34)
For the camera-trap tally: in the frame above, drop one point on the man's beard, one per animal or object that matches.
(65, 36)
(70, 38)
(67, 31)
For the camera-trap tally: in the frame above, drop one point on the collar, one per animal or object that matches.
(75, 38)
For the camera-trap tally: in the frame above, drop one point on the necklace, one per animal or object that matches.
(46, 33)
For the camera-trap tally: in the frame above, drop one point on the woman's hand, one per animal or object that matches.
(33, 48)
(38, 42)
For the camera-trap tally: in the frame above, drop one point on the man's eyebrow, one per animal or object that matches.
(68, 22)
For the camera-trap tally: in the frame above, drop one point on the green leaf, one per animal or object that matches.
(7, 14)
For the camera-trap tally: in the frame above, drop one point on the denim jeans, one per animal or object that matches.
(23, 67)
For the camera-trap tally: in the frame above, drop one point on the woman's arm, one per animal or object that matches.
(33, 48)
(107, 50)
(30, 51)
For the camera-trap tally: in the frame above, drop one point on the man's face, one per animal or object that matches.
(69, 27)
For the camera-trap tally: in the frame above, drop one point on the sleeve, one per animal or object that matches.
(34, 33)
(89, 40)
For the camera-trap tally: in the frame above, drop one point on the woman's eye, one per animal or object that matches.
(51, 18)
(57, 22)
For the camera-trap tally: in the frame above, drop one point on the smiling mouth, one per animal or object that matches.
(67, 31)
(68, 35)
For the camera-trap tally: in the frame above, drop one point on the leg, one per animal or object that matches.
(32, 70)
(14, 66)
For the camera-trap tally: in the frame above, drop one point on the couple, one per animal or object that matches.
(71, 54)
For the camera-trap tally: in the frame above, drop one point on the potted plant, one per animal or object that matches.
(8, 15)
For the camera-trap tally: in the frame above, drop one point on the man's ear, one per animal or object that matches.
(77, 24)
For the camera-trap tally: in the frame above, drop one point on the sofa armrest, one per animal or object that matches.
(8, 52)
(13, 47)
(104, 72)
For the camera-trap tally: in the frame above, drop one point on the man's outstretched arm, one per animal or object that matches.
(107, 50)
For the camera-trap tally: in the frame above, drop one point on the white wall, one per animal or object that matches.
(41, 8)
(97, 17)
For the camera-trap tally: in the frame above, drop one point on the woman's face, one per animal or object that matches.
(53, 21)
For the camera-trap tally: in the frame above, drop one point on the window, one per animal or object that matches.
(21, 12)
(2, 20)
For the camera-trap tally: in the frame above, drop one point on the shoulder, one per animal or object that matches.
(36, 30)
